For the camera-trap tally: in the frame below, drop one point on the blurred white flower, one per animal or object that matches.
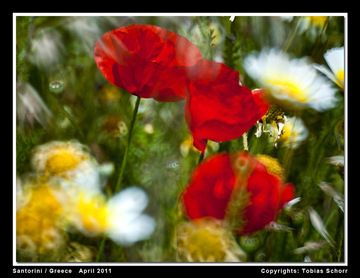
(337, 197)
(310, 246)
(46, 49)
(319, 226)
(293, 202)
(86, 30)
(30, 108)
(232, 18)
(273, 226)
(291, 82)
(294, 132)
(121, 218)
(337, 160)
(127, 223)
(335, 59)
(149, 128)
(68, 164)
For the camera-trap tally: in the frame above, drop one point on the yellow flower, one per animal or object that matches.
(206, 240)
(56, 158)
(110, 94)
(38, 220)
(187, 145)
(91, 213)
(317, 21)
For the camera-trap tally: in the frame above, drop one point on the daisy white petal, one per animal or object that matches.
(67, 163)
(127, 224)
(131, 199)
(335, 59)
(291, 82)
(128, 229)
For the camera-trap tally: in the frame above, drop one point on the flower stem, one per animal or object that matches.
(101, 249)
(245, 141)
(291, 38)
(122, 170)
(123, 163)
(201, 157)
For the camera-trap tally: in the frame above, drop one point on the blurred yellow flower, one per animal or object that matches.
(110, 94)
(38, 220)
(92, 213)
(187, 145)
(56, 158)
(206, 240)
(316, 21)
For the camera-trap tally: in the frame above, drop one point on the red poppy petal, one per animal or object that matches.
(210, 188)
(217, 107)
(288, 194)
(259, 98)
(264, 190)
(146, 60)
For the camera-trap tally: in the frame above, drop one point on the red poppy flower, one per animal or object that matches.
(217, 107)
(215, 183)
(146, 61)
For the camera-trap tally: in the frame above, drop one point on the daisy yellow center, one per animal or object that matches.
(288, 133)
(340, 77)
(93, 214)
(290, 88)
(272, 165)
(318, 21)
(62, 160)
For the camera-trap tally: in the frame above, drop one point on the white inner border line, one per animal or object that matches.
(345, 263)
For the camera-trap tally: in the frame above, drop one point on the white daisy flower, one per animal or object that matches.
(127, 223)
(335, 59)
(46, 49)
(30, 107)
(294, 132)
(121, 218)
(85, 29)
(290, 81)
(68, 164)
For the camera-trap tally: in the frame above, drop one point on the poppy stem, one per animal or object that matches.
(245, 141)
(123, 163)
(201, 157)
